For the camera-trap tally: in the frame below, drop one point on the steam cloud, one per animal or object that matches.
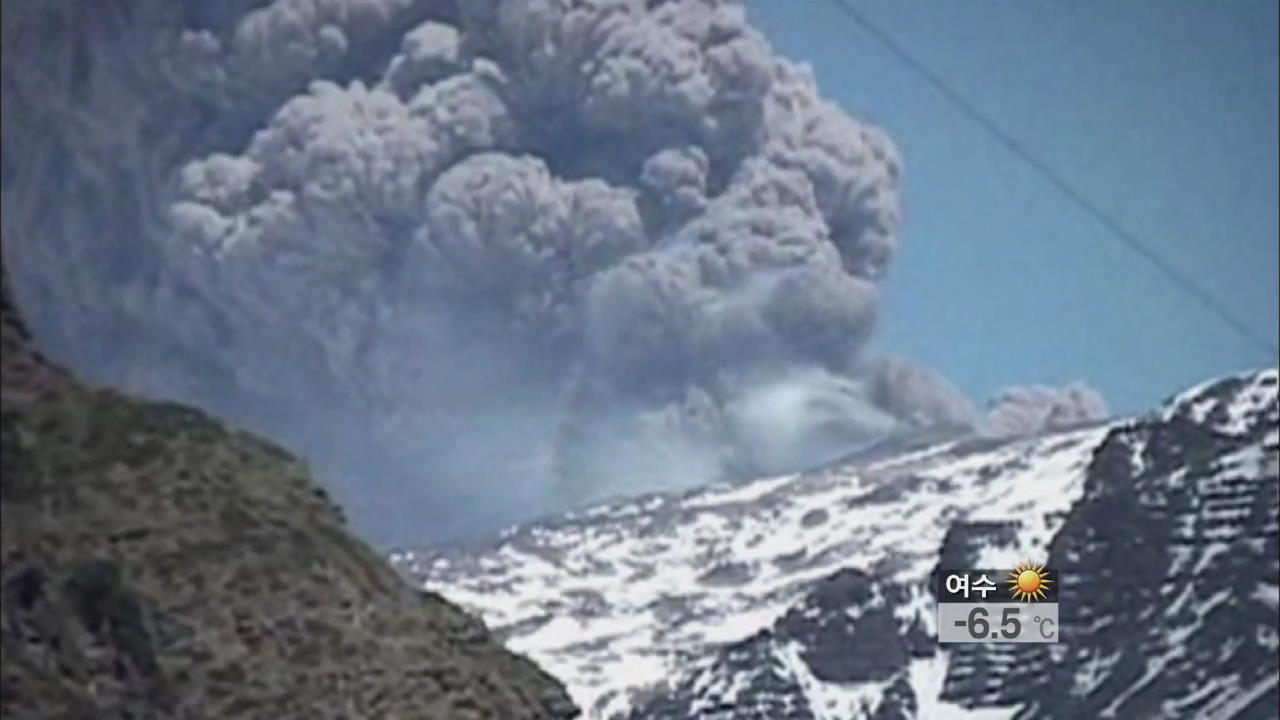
(474, 259)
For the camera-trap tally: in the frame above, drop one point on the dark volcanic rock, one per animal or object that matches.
(847, 630)
(745, 681)
(158, 564)
(898, 702)
(965, 540)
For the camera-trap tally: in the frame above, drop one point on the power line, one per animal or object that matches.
(1126, 237)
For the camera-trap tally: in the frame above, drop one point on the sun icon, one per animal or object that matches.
(1028, 582)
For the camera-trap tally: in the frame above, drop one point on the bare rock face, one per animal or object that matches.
(159, 564)
(847, 609)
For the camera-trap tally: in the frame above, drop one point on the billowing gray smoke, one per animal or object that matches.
(1027, 409)
(475, 260)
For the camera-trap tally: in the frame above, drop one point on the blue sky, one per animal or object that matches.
(1162, 113)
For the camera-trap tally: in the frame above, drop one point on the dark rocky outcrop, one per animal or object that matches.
(159, 564)
(744, 681)
(847, 630)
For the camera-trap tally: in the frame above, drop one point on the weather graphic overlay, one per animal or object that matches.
(974, 608)
(1029, 583)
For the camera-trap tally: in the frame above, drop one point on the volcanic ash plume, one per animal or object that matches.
(1033, 408)
(474, 259)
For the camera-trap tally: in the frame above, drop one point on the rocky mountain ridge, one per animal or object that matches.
(159, 564)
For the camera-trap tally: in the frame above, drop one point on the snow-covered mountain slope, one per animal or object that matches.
(807, 596)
